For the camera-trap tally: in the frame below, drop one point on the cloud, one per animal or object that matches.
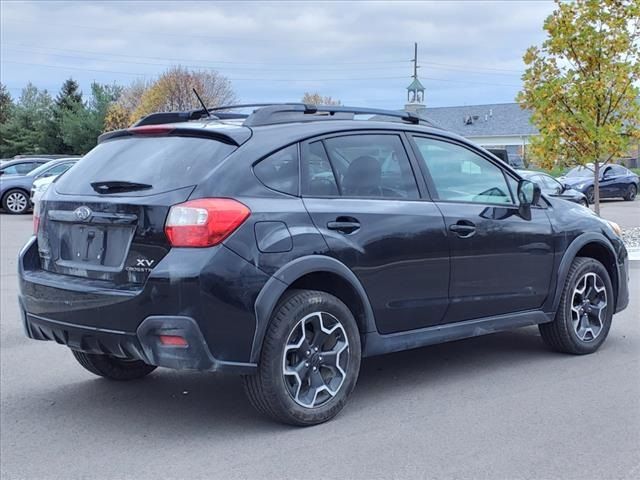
(356, 51)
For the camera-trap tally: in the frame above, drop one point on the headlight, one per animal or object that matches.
(43, 187)
(615, 227)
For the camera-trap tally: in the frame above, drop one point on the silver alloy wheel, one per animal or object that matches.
(588, 307)
(315, 359)
(17, 202)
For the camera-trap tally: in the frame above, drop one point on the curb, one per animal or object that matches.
(634, 253)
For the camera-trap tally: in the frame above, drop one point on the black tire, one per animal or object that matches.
(113, 368)
(16, 202)
(631, 193)
(268, 390)
(591, 195)
(561, 334)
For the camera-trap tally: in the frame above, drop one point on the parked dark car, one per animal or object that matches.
(286, 245)
(21, 166)
(15, 190)
(554, 188)
(509, 158)
(615, 181)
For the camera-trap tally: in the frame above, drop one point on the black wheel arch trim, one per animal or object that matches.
(571, 253)
(287, 275)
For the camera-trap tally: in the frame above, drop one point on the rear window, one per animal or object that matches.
(165, 163)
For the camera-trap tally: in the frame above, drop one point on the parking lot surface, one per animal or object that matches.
(500, 406)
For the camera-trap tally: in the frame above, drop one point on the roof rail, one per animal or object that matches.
(295, 112)
(275, 113)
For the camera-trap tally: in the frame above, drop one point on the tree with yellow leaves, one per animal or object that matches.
(582, 84)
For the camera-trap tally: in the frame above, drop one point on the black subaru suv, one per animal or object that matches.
(286, 244)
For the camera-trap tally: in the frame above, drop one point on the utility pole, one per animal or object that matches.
(415, 60)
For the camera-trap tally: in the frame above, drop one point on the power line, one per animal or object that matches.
(436, 65)
(291, 79)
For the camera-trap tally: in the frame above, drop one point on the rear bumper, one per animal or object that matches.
(143, 345)
(207, 294)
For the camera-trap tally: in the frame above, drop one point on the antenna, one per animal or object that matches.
(201, 103)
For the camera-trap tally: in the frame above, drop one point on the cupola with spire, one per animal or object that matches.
(415, 91)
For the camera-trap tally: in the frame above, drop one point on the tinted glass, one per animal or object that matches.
(618, 170)
(166, 163)
(60, 168)
(580, 172)
(461, 175)
(20, 168)
(550, 183)
(372, 166)
(318, 179)
(279, 171)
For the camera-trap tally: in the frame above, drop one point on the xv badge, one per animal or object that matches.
(143, 262)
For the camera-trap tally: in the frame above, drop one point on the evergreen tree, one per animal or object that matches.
(69, 99)
(24, 131)
(6, 104)
(81, 128)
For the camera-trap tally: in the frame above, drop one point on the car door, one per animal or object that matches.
(608, 183)
(361, 192)
(501, 261)
(617, 180)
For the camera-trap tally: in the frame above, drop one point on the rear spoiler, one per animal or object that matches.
(231, 136)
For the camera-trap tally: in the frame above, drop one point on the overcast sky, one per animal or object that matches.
(470, 52)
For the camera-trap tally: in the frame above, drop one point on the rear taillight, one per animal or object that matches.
(204, 222)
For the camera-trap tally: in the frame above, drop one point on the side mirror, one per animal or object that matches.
(566, 186)
(528, 193)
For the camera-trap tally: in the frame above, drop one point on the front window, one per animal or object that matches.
(460, 175)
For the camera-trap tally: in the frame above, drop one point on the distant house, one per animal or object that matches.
(497, 125)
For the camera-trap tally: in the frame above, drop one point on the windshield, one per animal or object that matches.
(37, 171)
(579, 172)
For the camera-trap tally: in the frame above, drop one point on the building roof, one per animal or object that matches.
(493, 119)
(415, 85)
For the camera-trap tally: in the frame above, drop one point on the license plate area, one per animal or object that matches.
(95, 247)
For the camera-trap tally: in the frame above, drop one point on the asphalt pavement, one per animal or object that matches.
(496, 407)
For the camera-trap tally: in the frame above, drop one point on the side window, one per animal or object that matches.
(318, 179)
(279, 171)
(461, 175)
(372, 166)
(20, 168)
(617, 170)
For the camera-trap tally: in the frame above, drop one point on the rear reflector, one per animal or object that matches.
(36, 222)
(173, 341)
(204, 222)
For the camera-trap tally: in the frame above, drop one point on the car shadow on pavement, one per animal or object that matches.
(169, 403)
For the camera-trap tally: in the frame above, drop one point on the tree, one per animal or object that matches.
(6, 104)
(317, 99)
(24, 131)
(82, 127)
(69, 99)
(582, 83)
(173, 91)
(120, 113)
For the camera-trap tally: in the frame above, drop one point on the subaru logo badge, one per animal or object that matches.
(82, 213)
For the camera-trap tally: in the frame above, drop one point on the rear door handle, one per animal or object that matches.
(463, 229)
(344, 225)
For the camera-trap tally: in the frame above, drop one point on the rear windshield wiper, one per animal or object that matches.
(118, 186)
